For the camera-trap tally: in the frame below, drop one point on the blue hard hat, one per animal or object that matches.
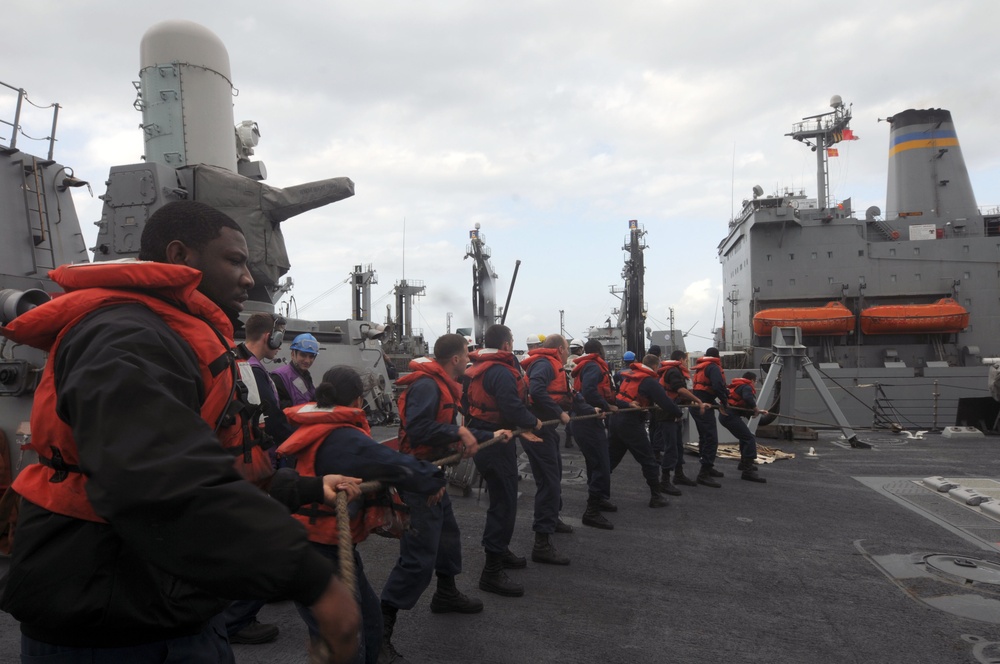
(629, 356)
(306, 343)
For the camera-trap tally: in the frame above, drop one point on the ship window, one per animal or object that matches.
(892, 252)
(791, 257)
(813, 255)
(916, 251)
(829, 254)
(892, 278)
(791, 282)
(769, 255)
(829, 280)
(917, 276)
(861, 252)
(965, 249)
(771, 283)
(965, 275)
(968, 303)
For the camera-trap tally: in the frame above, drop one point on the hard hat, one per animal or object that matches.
(306, 343)
(573, 343)
(541, 338)
(629, 356)
(533, 340)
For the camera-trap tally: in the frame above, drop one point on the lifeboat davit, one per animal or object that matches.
(833, 319)
(942, 317)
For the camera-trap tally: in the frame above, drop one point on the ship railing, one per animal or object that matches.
(16, 128)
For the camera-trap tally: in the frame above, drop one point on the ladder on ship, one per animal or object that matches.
(37, 214)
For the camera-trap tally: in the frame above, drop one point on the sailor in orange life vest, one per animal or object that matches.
(640, 388)
(592, 380)
(135, 522)
(264, 333)
(743, 404)
(427, 411)
(674, 379)
(550, 398)
(333, 435)
(710, 387)
(494, 399)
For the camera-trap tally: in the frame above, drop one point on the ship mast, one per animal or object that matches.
(483, 285)
(632, 319)
(820, 132)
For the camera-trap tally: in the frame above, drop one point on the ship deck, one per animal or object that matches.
(824, 563)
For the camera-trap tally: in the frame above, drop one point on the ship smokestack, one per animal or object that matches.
(928, 179)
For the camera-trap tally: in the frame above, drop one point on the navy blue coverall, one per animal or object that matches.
(349, 451)
(433, 542)
(544, 457)
(591, 435)
(498, 463)
(708, 432)
(628, 431)
(735, 422)
(672, 430)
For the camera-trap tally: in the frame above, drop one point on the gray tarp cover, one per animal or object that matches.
(259, 209)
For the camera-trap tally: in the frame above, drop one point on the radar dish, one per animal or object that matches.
(758, 191)
(836, 101)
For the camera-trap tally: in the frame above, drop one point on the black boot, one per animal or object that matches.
(545, 552)
(563, 528)
(656, 499)
(387, 654)
(511, 560)
(495, 580)
(681, 479)
(750, 475)
(606, 505)
(448, 599)
(705, 478)
(747, 464)
(592, 516)
(666, 486)
(712, 472)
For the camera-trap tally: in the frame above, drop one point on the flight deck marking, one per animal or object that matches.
(899, 488)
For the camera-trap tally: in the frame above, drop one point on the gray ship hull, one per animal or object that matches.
(786, 253)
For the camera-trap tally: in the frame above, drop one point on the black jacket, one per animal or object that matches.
(185, 532)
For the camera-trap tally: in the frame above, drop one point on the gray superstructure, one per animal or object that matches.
(788, 251)
(193, 150)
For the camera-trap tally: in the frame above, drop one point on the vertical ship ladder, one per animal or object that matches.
(37, 215)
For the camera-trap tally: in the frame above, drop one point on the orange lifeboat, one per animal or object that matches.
(942, 317)
(833, 319)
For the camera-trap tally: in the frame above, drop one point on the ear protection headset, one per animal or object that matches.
(277, 333)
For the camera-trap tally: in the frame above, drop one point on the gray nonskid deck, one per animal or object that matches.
(786, 572)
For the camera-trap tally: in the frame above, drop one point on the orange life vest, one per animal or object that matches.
(735, 398)
(449, 395)
(701, 381)
(628, 391)
(603, 385)
(479, 403)
(57, 483)
(558, 387)
(666, 366)
(320, 521)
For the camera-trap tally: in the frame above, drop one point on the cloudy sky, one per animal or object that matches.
(549, 123)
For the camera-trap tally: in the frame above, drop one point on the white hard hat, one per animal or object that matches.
(533, 339)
